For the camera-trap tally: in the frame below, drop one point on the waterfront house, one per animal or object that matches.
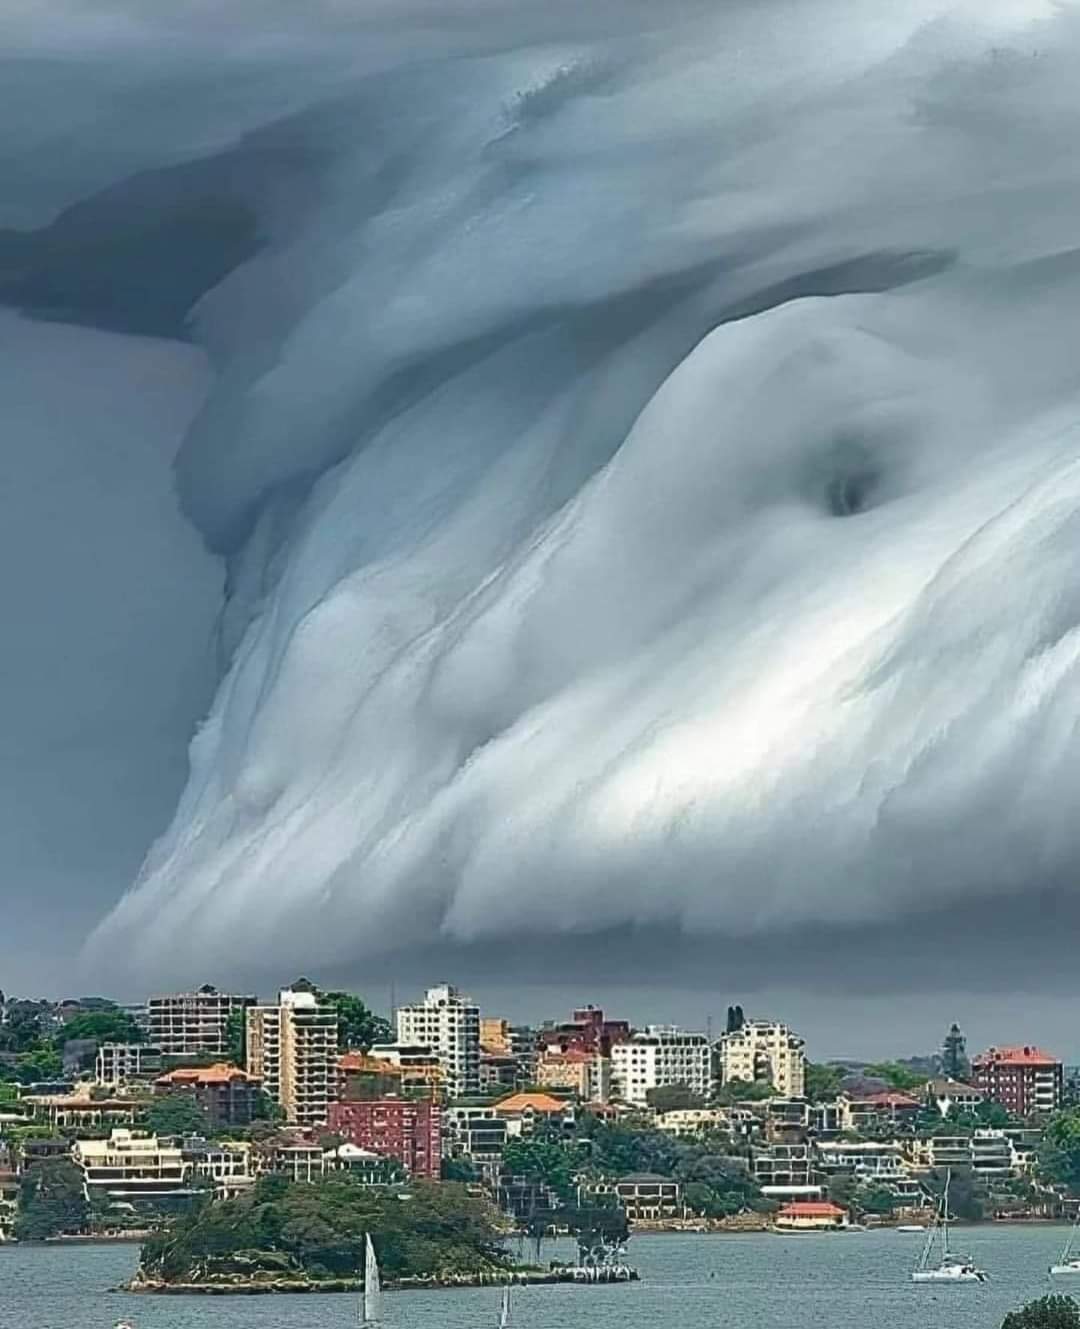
(811, 1216)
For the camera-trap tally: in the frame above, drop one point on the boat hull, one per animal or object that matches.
(1073, 1267)
(948, 1276)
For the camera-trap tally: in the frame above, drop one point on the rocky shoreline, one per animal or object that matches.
(278, 1286)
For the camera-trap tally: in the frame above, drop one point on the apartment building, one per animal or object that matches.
(784, 1168)
(125, 1063)
(584, 1073)
(292, 1048)
(524, 1113)
(764, 1050)
(1024, 1080)
(193, 1024)
(658, 1056)
(79, 1111)
(419, 1070)
(227, 1095)
(131, 1167)
(449, 1024)
(410, 1131)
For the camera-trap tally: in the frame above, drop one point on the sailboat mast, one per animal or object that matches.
(945, 1216)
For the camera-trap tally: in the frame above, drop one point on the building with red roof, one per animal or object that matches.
(1025, 1080)
(228, 1095)
(811, 1216)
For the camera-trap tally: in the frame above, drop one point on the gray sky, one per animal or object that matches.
(528, 496)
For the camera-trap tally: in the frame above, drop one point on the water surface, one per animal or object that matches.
(694, 1282)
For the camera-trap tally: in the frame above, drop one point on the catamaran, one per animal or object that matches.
(504, 1309)
(1069, 1263)
(952, 1268)
(371, 1300)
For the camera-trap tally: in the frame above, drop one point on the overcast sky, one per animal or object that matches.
(578, 502)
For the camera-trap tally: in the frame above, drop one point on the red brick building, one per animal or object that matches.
(401, 1128)
(228, 1095)
(1024, 1080)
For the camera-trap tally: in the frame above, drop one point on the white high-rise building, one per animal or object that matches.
(449, 1024)
(764, 1050)
(658, 1056)
(292, 1047)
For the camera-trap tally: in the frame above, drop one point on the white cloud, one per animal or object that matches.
(567, 632)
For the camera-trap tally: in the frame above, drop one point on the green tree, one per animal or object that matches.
(236, 1036)
(175, 1114)
(1059, 1151)
(317, 1229)
(672, 1098)
(896, 1076)
(51, 1201)
(545, 1161)
(876, 1200)
(745, 1091)
(458, 1169)
(842, 1190)
(114, 1026)
(40, 1063)
(358, 1026)
(1046, 1313)
(822, 1082)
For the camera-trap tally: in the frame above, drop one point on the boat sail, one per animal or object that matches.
(1069, 1263)
(504, 1309)
(371, 1301)
(952, 1268)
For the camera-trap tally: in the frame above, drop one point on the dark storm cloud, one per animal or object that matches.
(641, 440)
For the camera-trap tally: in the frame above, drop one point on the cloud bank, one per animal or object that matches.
(646, 450)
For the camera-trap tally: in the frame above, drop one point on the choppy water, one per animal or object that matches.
(696, 1282)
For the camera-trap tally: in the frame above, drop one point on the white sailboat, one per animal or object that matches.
(951, 1268)
(371, 1300)
(504, 1309)
(1069, 1263)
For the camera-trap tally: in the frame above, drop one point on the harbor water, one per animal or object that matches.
(691, 1281)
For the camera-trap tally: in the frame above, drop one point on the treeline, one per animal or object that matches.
(316, 1230)
(715, 1182)
(34, 1054)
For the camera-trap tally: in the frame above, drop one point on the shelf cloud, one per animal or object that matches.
(645, 450)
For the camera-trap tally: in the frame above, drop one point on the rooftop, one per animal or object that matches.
(812, 1209)
(1017, 1056)
(533, 1102)
(222, 1072)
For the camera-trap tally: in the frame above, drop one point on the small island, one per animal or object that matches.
(284, 1236)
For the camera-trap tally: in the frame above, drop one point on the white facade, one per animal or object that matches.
(449, 1024)
(658, 1056)
(764, 1050)
(184, 1024)
(117, 1063)
(292, 1047)
(130, 1166)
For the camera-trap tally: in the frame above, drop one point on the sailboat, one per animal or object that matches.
(371, 1300)
(952, 1268)
(1069, 1263)
(504, 1309)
